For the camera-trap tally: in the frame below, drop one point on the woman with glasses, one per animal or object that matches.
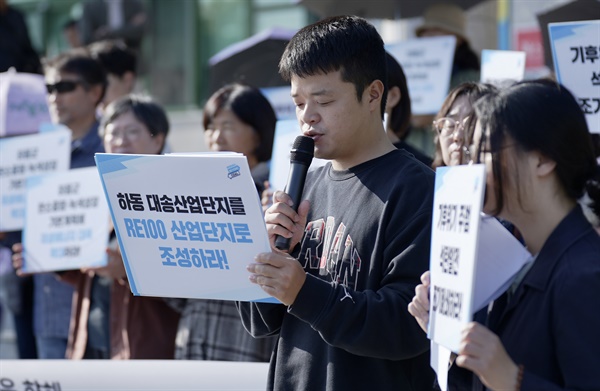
(107, 321)
(542, 333)
(454, 122)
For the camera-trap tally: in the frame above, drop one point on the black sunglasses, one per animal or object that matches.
(63, 86)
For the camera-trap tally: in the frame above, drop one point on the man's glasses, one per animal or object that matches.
(130, 134)
(446, 126)
(63, 86)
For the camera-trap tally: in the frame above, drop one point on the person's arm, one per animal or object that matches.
(261, 319)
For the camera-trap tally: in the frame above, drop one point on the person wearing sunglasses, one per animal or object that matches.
(454, 122)
(75, 84)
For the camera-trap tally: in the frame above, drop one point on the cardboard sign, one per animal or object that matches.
(576, 56)
(187, 225)
(21, 157)
(502, 67)
(66, 221)
(427, 64)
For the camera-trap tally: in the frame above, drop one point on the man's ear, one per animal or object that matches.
(375, 91)
(96, 93)
(129, 79)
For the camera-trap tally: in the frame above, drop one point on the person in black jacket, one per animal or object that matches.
(15, 46)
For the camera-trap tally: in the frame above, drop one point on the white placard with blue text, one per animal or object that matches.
(286, 132)
(502, 67)
(576, 56)
(427, 64)
(187, 225)
(66, 221)
(21, 157)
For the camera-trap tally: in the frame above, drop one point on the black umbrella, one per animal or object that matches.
(376, 9)
(252, 61)
(571, 12)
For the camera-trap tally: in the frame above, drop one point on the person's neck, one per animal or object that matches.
(376, 144)
(80, 128)
(392, 136)
(537, 225)
(252, 162)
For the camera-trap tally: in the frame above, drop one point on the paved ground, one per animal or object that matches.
(8, 348)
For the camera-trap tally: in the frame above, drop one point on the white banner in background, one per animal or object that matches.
(132, 375)
(427, 64)
(502, 67)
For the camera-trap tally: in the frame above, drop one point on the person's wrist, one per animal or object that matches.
(519, 377)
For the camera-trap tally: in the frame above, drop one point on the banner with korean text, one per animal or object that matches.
(187, 225)
(66, 221)
(576, 55)
(21, 157)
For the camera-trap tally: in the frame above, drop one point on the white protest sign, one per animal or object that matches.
(281, 101)
(427, 63)
(457, 204)
(187, 225)
(473, 258)
(66, 221)
(24, 156)
(286, 132)
(575, 52)
(502, 67)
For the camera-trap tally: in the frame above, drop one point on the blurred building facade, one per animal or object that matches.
(182, 35)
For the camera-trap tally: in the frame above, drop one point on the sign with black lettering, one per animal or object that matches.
(24, 156)
(67, 221)
(427, 64)
(575, 52)
(473, 257)
(187, 224)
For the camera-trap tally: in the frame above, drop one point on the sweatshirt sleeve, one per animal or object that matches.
(261, 319)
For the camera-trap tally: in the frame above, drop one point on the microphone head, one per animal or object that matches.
(303, 150)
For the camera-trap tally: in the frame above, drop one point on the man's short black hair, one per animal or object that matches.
(78, 62)
(349, 44)
(115, 56)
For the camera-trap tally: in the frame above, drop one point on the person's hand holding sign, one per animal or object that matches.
(419, 306)
(277, 273)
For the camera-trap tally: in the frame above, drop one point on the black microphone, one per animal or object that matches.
(301, 155)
